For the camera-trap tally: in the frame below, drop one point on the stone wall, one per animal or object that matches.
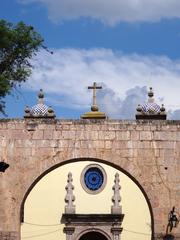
(149, 151)
(8, 235)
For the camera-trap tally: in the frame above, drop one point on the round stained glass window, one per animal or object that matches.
(93, 178)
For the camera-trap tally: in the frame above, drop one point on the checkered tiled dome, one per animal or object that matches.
(151, 108)
(40, 110)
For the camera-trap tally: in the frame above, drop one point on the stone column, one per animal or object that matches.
(69, 232)
(116, 232)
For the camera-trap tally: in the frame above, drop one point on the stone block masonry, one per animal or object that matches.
(148, 151)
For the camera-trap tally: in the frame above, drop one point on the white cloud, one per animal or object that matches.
(111, 11)
(119, 108)
(65, 75)
(175, 115)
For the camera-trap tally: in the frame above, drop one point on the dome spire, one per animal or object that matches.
(150, 95)
(41, 97)
(150, 109)
(40, 110)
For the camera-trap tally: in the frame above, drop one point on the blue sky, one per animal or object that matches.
(123, 45)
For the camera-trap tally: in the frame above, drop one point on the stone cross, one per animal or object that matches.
(94, 87)
(70, 198)
(116, 208)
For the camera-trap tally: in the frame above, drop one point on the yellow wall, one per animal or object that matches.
(45, 204)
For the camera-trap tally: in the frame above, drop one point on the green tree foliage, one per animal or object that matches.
(18, 44)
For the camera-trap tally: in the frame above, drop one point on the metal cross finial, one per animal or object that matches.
(94, 87)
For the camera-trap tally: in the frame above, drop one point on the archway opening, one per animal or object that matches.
(93, 236)
(44, 203)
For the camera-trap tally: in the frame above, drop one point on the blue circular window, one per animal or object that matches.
(93, 178)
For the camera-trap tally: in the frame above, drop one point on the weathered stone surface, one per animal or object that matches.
(148, 150)
(8, 235)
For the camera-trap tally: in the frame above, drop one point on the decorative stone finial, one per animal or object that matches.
(150, 93)
(50, 112)
(40, 110)
(162, 109)
(139, 108)
(116, 208)
(94, 114)
(27, 111)
(70, 198)
(150, 109)
(41, 97)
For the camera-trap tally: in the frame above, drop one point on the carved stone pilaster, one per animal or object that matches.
(69, 231)
(116, 231)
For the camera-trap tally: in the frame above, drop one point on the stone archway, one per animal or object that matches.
(97, 161)
(74, 161)
(93, 236)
